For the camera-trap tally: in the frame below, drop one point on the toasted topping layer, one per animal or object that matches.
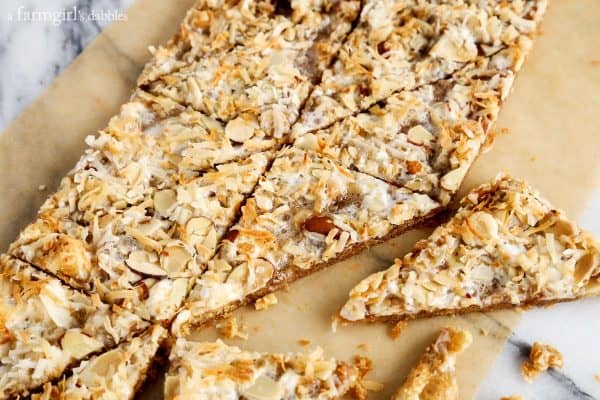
(425, 139)
(506, 245)
(402, 45)
(46, 326)
(541, 357)
(306, 211)
(262, 80)
(114, 227)
(116, 374)
(216, 371)
(434, 377)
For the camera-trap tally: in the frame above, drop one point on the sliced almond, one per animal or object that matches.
(263, 388)
(239, 274)
(140, 261)
(319, 224)
(452, 180)
(241, 129)
(101, 367)
(174, 258)
(483, 225)
(563, 227)
(78, 344)
(419, 135)
(59, 314)
(201, 231)
(585, 266)
(164, 200)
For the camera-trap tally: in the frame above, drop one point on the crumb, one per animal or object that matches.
(41, 188)
(364, 364)
(483, 332)
(541, 357)
(364, 347)
(372, 386)
(334, 323)
(533, 158)
(513, 397)
(230, 329)
(265, 302)
(397, 329)
(304, 342)
(597, 377)
(596, 63)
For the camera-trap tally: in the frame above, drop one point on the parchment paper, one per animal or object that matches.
(553, 141)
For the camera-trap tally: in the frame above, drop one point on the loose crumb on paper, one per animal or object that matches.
(541, 357)
(266, 302)
(513, 397)
(41, 188)
(597, 377)
(304, 342)
(372, 386)
(484, 332)
(397, 329)
(364, 347)
(231, 329)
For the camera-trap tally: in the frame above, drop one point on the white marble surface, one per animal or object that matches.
(33, 53)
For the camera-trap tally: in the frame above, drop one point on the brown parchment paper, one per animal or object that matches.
(553, 141)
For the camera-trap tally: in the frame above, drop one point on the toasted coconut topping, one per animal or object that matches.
(424, 139)
(132, 226)
(116, 374)
(506, 245)
(434, 377)
(46, 326)
(250, 65)
(402, 45)
(306, 211)
(216, 371)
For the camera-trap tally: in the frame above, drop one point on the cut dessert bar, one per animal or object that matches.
(400, 45)
(130, 226)
(307, 212)
(434, 377)
(264, 80)
(215, 27)
(425, 139)
(217, 371)
(45, 327)
(116, 374)
(506, 246)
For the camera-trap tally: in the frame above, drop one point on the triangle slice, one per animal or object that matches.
(505, 247)
(306, 213)
(202, 370)
(46, 327)
(434, 377)
(115, 374)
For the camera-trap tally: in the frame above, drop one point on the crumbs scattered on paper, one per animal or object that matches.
(303, 342)
(266, 302)
(541, 357)
(231, 329)
(397, 329)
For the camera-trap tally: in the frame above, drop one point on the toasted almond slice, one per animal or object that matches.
(78, 344)
(241, 128)
(100, 367)
(139, 261)
(263, 388)
(174, 258)
(164, 200)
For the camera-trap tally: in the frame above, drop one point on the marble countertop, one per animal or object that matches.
(34, 51)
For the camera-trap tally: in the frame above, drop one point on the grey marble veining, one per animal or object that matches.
(39, 38)
(33, 53)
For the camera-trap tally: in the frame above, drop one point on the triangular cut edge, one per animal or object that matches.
(434, 376)
(201, 369)
(308, 212)
(505, 247)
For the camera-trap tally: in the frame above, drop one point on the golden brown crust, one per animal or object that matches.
(434, 377)
(506, 246)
